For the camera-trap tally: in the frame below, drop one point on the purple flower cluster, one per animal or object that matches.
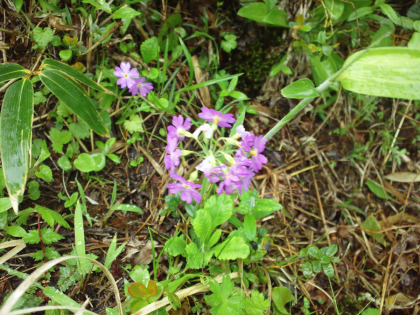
(130, 78)
(231, 174)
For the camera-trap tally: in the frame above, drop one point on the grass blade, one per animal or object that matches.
(16, 136)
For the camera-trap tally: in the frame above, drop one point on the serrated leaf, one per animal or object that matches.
(50, 216)
(220, 209)
(42, 37)
(71, 93)
(176, 246)
(195, 257)
(303, 88)
(231, 249)
(214, 238)
(49, 236)
(9, 71)
(281, 296)
(59, 139)
(16, 137)
(32, 237)
(149, 49)
(229, 43)
(80, 130)
(134, 124)
(377, 189)
(256, 304)
(385, 71)
(224, 300)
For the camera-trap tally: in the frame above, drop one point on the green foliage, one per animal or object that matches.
(229, 43)
(134, 124)
(373, 228)
(149, 49)
(303, 88)
(42, 37)
(224, 298)
(265, 13)
(317, 260)
(281, 296)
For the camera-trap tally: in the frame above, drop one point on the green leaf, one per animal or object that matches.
(50, 253)
(303, 88)
(59, 298)
(32, 237)
(90, 162)
(224, 300)
(9, 71)
(229, 43)
(258, 12)
(388, 72)
(202, 225)
(328, 270)
(15, 231)
(45, 173)
(307, 268)
(113, 252)
(73, 198)
(49, 236)
(214, 238)
(51, 64)
(231, 249)
(5, 204)
(80, 130)
(59, 139)
(175, 246)
(33, 190)
(42, 37)
(377, 189)
(140, 274)
(265, 207)
(281, 296)
(220, 208)
(414, 42)
(125, 13)
(50, 216)
(331, 250)
(195, 256)
(74, 96)
(371, 311)
(16, 137)
(316, 266)
(64, 163)
(314, 252)
(134, 124)
(65, 54)
(127, 207)
(256, 305)
(372, 226)
(79, 238)
(149, 49)
(250, 227)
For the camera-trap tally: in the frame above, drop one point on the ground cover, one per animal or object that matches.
(213, 157)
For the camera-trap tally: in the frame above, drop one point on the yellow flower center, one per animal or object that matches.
(180, 131)
(253, 153)
(216, 119)
(125, 75)
(139, 85)
(186, 186)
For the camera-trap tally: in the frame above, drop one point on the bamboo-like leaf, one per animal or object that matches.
(16, 136)
(71, 93)
(9, 71)
(386, 71)
(51, 64)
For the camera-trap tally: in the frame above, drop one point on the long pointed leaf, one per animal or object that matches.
(74, 96)
(16, 136)
(51, 64)
(9, 71)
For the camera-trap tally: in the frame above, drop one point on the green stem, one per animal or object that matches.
(333, 296)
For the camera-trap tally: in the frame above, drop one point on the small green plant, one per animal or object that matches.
(315, 260)
(143, 295)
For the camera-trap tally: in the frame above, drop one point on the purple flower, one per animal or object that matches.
(126, 75)
(187, 189)
(173, 154)
(257, 159)
(140, 86)
(179, 127)
(211, 115)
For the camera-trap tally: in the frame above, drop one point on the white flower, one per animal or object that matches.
(206, 129)
(205, 166)
(240, 130)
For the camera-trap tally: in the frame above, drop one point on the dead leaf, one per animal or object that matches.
(404, 177)
(57, 23)
(200, 77)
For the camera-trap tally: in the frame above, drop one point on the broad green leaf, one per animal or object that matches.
(195, 256)
(334, 8)
(281, 296)
(15, 231)
(231, 249)
(307, 268)
(377, 189)
(90, 162)
(313, 251)
(125, 13)
(372, 227)
(149, 49)
(220, 209)
(9, 71)
(74, 96)
(328, 269)
(316, 266)
(250, 227)
(388, 72)
(5, 204)
(45, 173)
(371, 311)
(331, 250)
(265, 207)
(16, 137)
(65, 54)
(322, 69)
(64, 163)
(303, 88)
(258, 12)
(202, 225)
(176, 246)
(51, 64)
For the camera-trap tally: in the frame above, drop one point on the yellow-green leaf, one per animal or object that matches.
(16, 136)
(386, 71)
